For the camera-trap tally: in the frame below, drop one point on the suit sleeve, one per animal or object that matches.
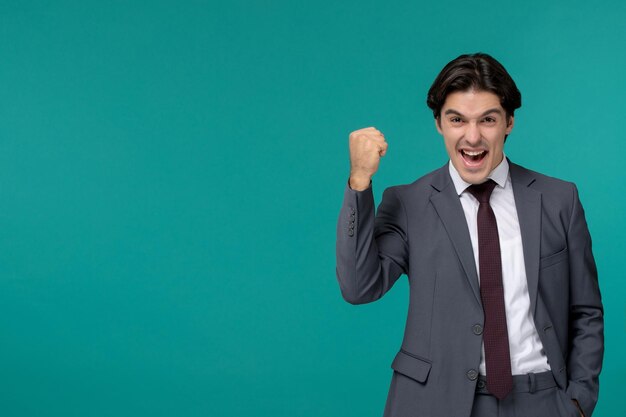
(586, 333)
(372, 250)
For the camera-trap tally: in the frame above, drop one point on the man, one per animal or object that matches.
(505, 316)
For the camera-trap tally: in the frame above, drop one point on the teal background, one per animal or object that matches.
(171, 173)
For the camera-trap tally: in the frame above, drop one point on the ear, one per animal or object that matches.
(438, 125)
(510, 122)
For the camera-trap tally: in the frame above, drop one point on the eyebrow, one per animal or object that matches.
(494, 110)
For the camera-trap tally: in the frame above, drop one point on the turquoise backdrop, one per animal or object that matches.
(171, 173)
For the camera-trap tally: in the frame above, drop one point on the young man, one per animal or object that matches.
(505, 316)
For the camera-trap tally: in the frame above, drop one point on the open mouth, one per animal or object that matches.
(473, 158)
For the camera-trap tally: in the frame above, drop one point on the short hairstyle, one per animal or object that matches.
(477, 71)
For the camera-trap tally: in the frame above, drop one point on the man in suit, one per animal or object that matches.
(505, 316)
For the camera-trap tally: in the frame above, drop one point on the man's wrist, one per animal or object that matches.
(359, 183)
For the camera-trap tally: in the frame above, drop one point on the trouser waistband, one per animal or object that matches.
(522, 383)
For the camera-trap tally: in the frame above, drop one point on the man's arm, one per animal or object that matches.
(586, 333)
(370, 257)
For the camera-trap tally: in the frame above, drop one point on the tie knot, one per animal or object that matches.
(483, 191)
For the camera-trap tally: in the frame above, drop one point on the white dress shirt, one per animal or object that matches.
(526, 349)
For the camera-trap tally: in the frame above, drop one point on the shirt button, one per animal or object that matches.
(472, 374)
(477, 329)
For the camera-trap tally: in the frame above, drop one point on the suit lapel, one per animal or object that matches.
(449, 209)
(528, 205)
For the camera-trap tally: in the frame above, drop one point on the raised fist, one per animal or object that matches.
(367, 146)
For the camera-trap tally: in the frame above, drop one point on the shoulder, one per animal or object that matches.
(552, 189)
(424, 185)
(416, 196)
(521, 174)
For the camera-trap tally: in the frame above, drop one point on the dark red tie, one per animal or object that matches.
(495, 334)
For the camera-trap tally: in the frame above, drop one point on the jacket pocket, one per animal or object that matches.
(412, 366)
(555, 258)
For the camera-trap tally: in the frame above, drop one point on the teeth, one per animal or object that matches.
(473, 153)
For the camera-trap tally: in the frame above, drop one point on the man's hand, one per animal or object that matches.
(367, 146)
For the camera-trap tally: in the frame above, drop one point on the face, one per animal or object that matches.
(473, 125)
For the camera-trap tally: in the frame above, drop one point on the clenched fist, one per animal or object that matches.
(367, 146)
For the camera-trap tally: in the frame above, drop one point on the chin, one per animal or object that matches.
(474, 177)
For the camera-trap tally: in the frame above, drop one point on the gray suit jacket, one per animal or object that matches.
(420, 230)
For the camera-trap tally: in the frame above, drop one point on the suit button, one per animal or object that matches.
(351, 232)
(481, 384)
(352, 217)
(351, 210)
(472, 374)
(477, 329)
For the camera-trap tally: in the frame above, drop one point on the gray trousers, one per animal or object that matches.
(533, 395)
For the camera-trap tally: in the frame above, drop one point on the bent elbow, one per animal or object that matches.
(353, 294)
(357, 291)
(355, 299)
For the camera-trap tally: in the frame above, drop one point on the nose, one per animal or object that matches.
(472, 134)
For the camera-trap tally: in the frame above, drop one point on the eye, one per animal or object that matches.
(455, 120)
(489, 120)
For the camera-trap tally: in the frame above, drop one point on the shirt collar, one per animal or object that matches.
(499, 174)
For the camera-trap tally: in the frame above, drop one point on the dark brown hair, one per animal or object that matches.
(474, 71)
